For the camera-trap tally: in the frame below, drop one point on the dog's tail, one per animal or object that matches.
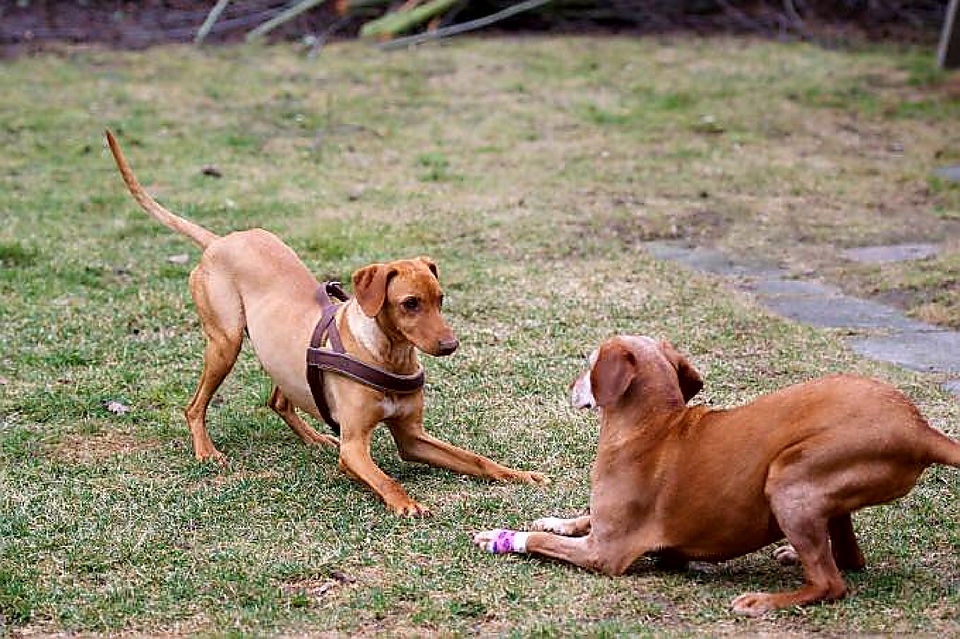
(941, 449)
(196, 233)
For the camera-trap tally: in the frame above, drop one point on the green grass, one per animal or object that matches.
(529, 170)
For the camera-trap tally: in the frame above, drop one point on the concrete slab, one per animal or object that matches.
(840, 311)
(926, 352)
(891, 253)
(951, 173)
(708, 260)
(912, 344)
(952, 386)
(794, 288)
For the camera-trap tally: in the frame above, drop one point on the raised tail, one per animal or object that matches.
(196, 233)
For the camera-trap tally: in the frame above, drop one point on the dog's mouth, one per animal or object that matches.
(447, 347)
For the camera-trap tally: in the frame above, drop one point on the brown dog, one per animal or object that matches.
(251, 280)
(701, 484)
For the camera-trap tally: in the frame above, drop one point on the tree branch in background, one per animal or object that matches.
(211, 19)
(463, 27)
(399, 21)
(285, 16)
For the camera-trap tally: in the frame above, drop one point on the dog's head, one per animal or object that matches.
(406, 299)
(629, 366)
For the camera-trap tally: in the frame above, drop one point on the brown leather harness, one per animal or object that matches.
(336, 360)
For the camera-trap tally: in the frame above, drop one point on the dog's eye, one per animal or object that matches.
(411, 303)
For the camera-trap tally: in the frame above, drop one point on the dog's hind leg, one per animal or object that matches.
(221, 314)
(806, 529)
(843, 541)
(307, 434)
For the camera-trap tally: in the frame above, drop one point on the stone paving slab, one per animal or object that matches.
(929, 352)
(707, 260)
(950, 172)
(841, 311)
(953, 386)
(794, 288)
(891, 253)
(906, 342)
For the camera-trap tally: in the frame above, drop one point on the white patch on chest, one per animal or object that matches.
(364, 329)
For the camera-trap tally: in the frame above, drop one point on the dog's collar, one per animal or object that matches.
(336, 360)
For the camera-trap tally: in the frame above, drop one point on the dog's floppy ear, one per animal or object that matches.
(431, 265)
(688, 377)
(370, 287)
(612, 373)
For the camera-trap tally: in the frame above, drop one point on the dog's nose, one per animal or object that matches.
(447, 346)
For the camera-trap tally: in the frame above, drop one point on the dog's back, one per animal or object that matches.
(857, 439)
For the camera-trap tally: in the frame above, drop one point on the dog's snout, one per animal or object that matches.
(581, 394)
(448, 346)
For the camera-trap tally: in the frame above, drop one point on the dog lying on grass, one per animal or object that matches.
(251, 281)
(693, 483)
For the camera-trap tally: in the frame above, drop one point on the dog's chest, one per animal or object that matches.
(394, 406)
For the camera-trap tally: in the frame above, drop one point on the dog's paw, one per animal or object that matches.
(554, 525)
(411, 509)
(532, 477)
(786, 555)
(214, 456)
(500, 541)
(753, 604)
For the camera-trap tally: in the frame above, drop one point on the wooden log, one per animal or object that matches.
(463, 27)
(399, 21)
(345, 7)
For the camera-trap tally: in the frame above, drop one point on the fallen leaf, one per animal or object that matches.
(179, 258)
(116, 407)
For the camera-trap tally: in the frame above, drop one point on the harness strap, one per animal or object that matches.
(336, 360)
(368, 375)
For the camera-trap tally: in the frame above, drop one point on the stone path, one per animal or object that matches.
(951, 173)
(879, 332)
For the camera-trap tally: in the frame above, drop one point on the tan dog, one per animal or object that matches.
(701, 484)
(251, 280)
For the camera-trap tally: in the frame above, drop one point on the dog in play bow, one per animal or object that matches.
(251, 281)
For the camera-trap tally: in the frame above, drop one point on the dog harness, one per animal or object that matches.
(336, 360)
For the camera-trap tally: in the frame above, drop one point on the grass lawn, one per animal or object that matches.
(530, 170)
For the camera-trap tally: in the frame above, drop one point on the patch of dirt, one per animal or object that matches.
(86, 449)
(315, 588)
(229, 478)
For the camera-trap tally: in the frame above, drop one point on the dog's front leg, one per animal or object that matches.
(356, 462)
(576, 527)
(587, 552)
(415, 444)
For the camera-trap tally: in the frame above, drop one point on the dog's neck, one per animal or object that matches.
(395, 353)
(645, 417)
